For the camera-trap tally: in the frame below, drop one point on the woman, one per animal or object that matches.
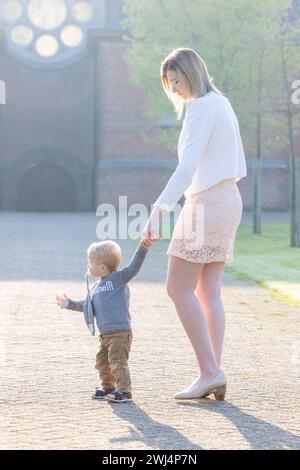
(211, 161)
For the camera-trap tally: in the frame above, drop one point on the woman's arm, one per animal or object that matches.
(198, 126)
(151, 229)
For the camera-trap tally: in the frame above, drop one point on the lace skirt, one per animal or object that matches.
(206, 227)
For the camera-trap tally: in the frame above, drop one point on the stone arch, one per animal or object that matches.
(44, 163)
(46, 188)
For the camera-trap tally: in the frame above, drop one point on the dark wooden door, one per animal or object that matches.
(47, 188)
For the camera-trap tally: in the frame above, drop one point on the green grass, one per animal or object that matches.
(268, 260)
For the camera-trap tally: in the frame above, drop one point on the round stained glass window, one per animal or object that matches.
(49, 32)
(11, 10)
(22, 35)
(72, 35)
(82, 11)
(47, 14)
(46, 45)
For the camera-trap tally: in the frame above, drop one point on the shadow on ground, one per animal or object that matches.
(148, 431)
(259, 433)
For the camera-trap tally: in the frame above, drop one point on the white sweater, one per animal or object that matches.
(210, 149)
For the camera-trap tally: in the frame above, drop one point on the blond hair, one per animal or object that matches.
(191, 70)
(106, 252)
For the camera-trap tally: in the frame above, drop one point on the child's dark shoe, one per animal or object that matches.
(100, 394)
(119, 397)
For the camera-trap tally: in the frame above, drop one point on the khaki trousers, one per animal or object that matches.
(112, 360)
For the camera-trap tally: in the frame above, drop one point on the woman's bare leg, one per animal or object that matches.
(208, 291)
(181, 284)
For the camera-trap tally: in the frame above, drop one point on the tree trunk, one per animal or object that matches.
(257, 179)
(257, 163)
(293, 206)
(294, 210)
(297, 216)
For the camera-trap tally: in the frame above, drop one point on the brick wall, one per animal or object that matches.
(122, 150)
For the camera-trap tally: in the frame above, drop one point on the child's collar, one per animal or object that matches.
(105, 277)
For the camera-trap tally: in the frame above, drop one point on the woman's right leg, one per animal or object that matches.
(208, 291)
(181, 284)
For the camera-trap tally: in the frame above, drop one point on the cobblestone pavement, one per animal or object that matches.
(47, 355)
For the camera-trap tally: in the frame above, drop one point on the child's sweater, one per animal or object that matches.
(108, 300)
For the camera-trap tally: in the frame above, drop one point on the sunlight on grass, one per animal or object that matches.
(268, 260)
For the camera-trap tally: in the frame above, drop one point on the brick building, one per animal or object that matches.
(72, 129)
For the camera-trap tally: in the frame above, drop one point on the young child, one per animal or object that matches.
(108, 303)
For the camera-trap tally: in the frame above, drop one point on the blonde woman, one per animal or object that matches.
(211, 161)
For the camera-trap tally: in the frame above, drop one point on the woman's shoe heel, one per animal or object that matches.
(220, 393)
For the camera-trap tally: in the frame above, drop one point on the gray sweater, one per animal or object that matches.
(108, 300)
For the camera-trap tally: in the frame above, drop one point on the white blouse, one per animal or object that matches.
(210, 149)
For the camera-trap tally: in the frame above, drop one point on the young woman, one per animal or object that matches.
(211, 161)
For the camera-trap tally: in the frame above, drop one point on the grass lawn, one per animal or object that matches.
(268, 260)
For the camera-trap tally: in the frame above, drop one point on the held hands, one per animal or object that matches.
(151, 230)
(62, 302)
(148, 238)
(146, 243)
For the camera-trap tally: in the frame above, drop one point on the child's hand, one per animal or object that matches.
(63, 302)
(146, 243)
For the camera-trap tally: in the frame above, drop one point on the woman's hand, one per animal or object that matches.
(62, 302)
(150, 235)
(151, 229)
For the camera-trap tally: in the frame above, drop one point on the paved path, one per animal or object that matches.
(47, 355)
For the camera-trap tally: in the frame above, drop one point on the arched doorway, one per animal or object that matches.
(46, 188)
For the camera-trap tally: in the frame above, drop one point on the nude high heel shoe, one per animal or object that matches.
(216, 386)
(219, 392)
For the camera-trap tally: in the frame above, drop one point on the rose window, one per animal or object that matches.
(49, 31)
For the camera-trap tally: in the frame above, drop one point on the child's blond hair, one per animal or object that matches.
(106, 252)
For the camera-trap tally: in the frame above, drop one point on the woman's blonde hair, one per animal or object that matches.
(106, 252)
(191, 70)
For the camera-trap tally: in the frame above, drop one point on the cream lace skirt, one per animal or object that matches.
(206, 227)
